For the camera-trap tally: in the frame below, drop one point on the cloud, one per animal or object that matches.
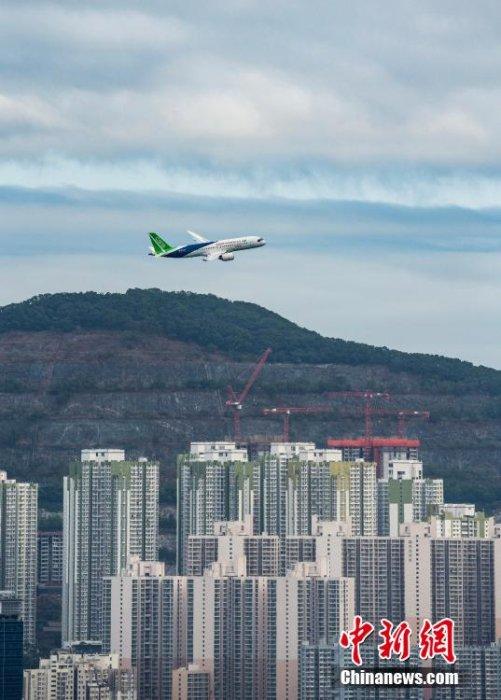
(410, 187)
(74, 219)
(362, 139)
(250, 82)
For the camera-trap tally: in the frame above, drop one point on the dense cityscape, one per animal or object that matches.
(278, 548)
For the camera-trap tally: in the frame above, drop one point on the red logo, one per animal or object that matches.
(437, 640)
(434, 640)
(355, 637)
(396, 640)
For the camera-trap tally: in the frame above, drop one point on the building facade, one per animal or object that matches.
(191, 683)
(148, 622)
(281, 489)
(214, 484)
(248, 630)
(18, 548)
(110, 514)
(70, 676)
(406, 499)
(50, 559)
(463, 587)
(234, 541)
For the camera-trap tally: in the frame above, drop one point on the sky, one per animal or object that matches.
(361, 139)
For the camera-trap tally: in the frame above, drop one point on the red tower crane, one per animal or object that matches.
(237, 402)
(405, 415)
(369, 409)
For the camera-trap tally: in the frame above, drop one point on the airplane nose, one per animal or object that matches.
(261, 241)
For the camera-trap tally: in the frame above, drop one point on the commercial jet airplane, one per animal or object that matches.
(208, 250)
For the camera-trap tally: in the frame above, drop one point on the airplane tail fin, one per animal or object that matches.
(158, 245)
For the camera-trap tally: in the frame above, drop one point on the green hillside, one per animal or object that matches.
(238, 329)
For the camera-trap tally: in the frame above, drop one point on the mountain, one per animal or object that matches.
(238, 329)
(147, 370)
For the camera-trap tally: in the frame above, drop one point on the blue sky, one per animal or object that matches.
(361, 139)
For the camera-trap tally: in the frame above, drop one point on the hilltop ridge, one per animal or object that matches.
(238, 329)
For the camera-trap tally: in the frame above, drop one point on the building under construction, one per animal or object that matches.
(381, 450)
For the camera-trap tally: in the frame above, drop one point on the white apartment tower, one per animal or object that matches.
(147, 621)
(18, 548)
(356, 496)
(213, 485)
(457, 578)
(110, 514)
(282, 489)
(248, 630)
(405, 500)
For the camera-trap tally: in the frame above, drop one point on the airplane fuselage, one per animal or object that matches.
(215, 249)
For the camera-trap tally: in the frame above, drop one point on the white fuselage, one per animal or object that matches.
(226, 245)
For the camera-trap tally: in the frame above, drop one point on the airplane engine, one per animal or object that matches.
(227, 256)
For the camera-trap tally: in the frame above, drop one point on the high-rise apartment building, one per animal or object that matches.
(458, 578)
(463, 587)
(316, 672)
(377, 566)
(479, 670)
(214, 484)
(248, 630)
(50, 559)
(311, 489)
(427, 497)
(11, 647)
(148, 621)
(461, 520)
(299, 548)
(234, 541)
(282, 489)
(321, 666)
(110, 514)
(18, 548)
(356, 496)
(406, 499)
(70, 676)
(417, 576)
(243, 631)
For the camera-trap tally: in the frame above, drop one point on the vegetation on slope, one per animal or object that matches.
(238, 329)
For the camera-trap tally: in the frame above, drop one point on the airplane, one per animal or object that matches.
(208, 250)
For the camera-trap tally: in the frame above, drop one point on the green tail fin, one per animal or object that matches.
(158, 244)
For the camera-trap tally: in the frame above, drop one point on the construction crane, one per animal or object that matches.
(405, 415)
(236, 402)
(369, 408)
(402, 415)
(369, 411)
(287, 411)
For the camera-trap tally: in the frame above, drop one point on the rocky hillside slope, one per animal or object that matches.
(83, 376)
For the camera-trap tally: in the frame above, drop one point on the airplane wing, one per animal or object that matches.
(211, 256)
(197, 237)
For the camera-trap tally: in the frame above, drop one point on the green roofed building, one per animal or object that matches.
(214, 483)
(110, 513)
(282, 489)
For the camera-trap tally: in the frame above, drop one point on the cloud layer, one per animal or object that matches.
(239, 82)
